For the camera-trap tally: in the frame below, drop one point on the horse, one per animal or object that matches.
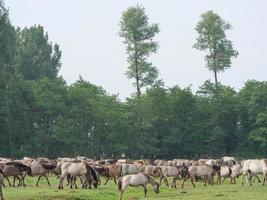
(205, 171)
(15, 168)
(175, 172)
(78, 168)
(136, 180)
(254, 167)
(1, 184)
(236, 170)
(39, 167)
(224, 173)
(112, 172)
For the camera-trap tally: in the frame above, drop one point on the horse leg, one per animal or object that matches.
(242, 183)
(264, 178)
(1, 194)
(37, 183)
(60, 183)
(250, 179)
(257, 178)
(115, 181)
(68, 179)
(212, 180)
(224, 179)
(166, 181)
(183, 183)
(71, 181)
(192, 181)
(75, 178)
(20, 183)
(47, 180)
(14, 180)
(205, 181)
(8, 182)
(120, 195)
(161, 177)
(174, 182)
(145, 190)
(107, 181)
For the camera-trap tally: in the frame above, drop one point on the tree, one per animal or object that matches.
(212, 40)
(37, 58)
(7, 70)
(138, 36)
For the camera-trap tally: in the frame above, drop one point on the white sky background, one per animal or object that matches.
(87, 32)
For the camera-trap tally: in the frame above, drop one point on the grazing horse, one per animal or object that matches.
(74, 169)
(175, 172)
(1, 184)
(254, 167)
(128, 169)
(136, 180)
(15, 168)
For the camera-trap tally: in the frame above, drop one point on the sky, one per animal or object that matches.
(87, 33)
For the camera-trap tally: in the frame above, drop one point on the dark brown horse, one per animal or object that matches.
(15, 169)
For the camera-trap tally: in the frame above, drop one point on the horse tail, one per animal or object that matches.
(91, 169)
(107, 171)
(47, 165)
(121, 172)
(230, 171)
(120, 184)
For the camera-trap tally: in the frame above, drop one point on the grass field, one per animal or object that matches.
(109, 192)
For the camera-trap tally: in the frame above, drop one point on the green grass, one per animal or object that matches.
(225, 191)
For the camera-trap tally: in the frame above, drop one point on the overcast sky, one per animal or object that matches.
(87, 32)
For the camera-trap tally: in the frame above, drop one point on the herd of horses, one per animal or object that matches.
(126, 172)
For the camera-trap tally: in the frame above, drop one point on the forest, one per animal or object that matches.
(41, 115)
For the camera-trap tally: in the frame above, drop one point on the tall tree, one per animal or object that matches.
(37, 58)
(212, 40)
(138, 36)
(7, 52)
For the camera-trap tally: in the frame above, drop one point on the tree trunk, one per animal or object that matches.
(216, 79)
(138, 89)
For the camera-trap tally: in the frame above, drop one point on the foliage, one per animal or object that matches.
(138, 36)
(212, 39)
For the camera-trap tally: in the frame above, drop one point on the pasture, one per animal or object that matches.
(224, 191)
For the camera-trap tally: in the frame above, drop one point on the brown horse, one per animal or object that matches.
(113, 172)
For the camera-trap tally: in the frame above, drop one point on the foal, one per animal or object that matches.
(136, 180)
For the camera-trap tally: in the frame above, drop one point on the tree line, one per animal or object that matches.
(40, 115)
